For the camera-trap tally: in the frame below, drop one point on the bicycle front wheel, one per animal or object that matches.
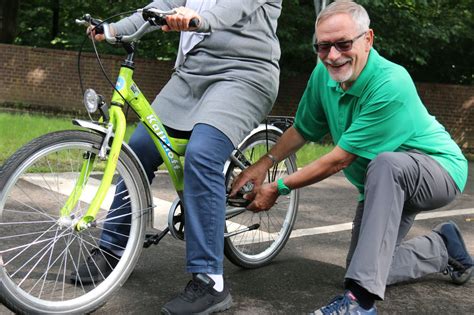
(39, 249)
(269, 230)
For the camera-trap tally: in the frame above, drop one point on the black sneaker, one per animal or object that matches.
(460, 263)
(199, 297)
(98, 266)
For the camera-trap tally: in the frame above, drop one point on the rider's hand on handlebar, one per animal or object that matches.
(181, 20)
(99, 37)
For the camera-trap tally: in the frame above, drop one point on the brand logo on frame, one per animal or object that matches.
(120, 83)
(154, 125)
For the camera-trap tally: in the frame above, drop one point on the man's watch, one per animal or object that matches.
(282, 188)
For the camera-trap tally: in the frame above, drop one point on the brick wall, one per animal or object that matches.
(452, 105)
(47, 79)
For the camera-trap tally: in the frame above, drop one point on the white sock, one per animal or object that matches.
(219, 282)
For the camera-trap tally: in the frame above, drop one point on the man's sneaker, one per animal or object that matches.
(344, 305)
(458, 272)
(199, 297)
(99, 264)
(460, 263)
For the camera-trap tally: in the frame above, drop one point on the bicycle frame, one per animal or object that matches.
(170, 148)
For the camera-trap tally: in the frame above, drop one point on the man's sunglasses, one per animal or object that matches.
(341, 46)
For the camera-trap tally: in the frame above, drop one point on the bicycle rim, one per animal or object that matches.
(258, 247)
(39, 252)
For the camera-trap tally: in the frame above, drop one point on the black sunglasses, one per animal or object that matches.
(341, 46)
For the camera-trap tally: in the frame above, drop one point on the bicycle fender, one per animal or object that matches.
(89, 125)
(260, 128)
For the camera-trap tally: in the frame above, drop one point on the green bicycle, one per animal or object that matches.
(56, 193)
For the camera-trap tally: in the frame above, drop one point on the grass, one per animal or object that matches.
(18, 129)
(311, 152)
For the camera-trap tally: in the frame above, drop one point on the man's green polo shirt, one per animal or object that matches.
(380, 112)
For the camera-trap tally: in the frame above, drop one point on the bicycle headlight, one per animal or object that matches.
(91, 100)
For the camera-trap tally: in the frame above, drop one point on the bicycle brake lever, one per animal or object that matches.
(88, 20)
(82, 22)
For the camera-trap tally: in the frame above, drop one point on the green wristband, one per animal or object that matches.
(282, 188)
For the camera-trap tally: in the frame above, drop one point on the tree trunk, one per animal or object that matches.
(8, 19)
(55, 26)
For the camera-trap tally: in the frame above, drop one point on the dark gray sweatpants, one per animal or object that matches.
(398, 186)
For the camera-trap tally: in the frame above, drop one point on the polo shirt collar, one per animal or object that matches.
(358, 86)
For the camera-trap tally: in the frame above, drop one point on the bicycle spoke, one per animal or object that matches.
(40, 210)
(258, 246)
(45, 274)
(31, 270)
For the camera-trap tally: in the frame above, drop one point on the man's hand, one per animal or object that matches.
(264, 197)
(254, 174)
(180, 21)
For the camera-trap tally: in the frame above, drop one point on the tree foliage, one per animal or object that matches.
(432, 39)
(37, 28)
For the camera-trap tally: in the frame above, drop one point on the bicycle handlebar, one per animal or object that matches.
(152, 16)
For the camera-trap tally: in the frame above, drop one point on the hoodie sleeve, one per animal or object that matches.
(132, 23)
(228, 12)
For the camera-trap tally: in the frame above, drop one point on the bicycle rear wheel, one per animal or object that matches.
(270, 229)
(38, 250)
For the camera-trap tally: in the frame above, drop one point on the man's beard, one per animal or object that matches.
(337, 74)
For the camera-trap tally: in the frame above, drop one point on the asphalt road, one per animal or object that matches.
(310, 269)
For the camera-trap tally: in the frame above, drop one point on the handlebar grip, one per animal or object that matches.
(159, 18)
(94, 22)
(99, 29)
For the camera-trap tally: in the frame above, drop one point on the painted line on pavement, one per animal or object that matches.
(65, 184)
(348, 226)
(162, 206)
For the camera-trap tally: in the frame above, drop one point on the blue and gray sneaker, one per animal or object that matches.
(460, 263)
(344, 305)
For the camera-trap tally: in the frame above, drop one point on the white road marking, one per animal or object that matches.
(348, 226)
(65, 184)
(162, 206)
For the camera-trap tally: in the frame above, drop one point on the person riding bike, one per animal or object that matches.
(224, 84)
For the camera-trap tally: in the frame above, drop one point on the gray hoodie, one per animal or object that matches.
(228, 80)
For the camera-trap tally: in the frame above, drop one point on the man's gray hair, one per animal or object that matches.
(356, 11)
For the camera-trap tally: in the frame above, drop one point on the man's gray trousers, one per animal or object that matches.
(398, 186)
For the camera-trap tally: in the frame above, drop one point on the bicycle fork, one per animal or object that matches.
(116, 128)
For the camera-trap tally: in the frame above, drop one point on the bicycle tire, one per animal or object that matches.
(37, 253)
(258, 247)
